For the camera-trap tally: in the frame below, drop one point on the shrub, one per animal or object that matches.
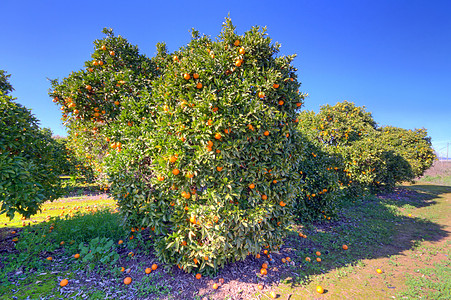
(211, 171)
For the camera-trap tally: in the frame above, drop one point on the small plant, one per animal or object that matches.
(98, 250)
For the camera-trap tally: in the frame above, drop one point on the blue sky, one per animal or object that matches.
(391, 56)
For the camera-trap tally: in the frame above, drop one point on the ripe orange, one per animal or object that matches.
(264, 197)
(219, 169)
(77, 255)
(64, 282)
(318, 259)
(112, 53)
(263, 271)
(319, 289)
(282, 203)
(175, 171)
(173, 159)
(261, 95)
(160, 178)
(198, 276)
(284, 260)
(266, 133)
(275, 85)
(215, 286)
(307, 259)
(221, 280)
(274, 181)
(127, 280)
(148, 270)
(192, 219)
(154, 267)
(345, 247)
(281, 102)
(379, 271)
(195, 75)
(199, 85)
(88, 87)
(238, 63)
(186, 76)
(273, 295)
(251, 186)
(260, 286)
(116, 103)
(237, 43)
(218, 136)
(49, 258)
(318, 253)
(298, 104)
(189, 175)
(258, 255)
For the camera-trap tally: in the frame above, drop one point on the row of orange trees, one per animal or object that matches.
(207, 147)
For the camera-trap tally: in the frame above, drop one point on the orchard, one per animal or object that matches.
(206, 147)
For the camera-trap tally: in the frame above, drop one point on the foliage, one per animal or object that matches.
(29, 161)
(413, 145)
(5, 85)
(368, 160)
(223, 115)
(99, 250)
(102, 93)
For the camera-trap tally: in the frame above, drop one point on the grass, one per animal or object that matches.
(403, 234)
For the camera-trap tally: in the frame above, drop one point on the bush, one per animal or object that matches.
(211, 171)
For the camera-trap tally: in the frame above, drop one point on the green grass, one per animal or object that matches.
(442, 180)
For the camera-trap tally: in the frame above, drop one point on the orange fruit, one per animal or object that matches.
(263, 271)
(175, 171)
(148, 270)
(318, 259)
(318, 253)
(215, 286)
(49, 258)
(307, 259)
(64, 282)
(198, 276)
(274, 181)
(192, 219)
(266, 133)
(264, 197)
(195, 75)
(154, 267)
(273, 295)
(319, 289)
(238, 63)
(275, 85)
(199, 85)
(186, 76)
(189, 175)
(122, 269)
(265, 266)
(116, 103)
(62, 243)
(112, 53)
(298, 104)
(282, 203)
(242, 51)
(258, 255)
(260, 286)
(88, 87)
(379, 271)
(251, 186)
(237, 43)
(127, 280)
(261, 95)
(160, 178)
(284, 260)
(345, 247)
(77, 255)
(172, 159)
(219, 169)
(103, 47)
(218, 136)
(221, 280)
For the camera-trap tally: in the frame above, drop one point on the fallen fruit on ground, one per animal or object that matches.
(379, 271)
(64, 282)
(319, 289)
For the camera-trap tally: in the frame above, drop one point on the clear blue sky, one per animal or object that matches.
(392, 56)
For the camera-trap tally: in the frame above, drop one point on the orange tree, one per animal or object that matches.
(211, 171)
(102, 93)
(320, 192)
(350, 134)
(413, 145)
(29, 160)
